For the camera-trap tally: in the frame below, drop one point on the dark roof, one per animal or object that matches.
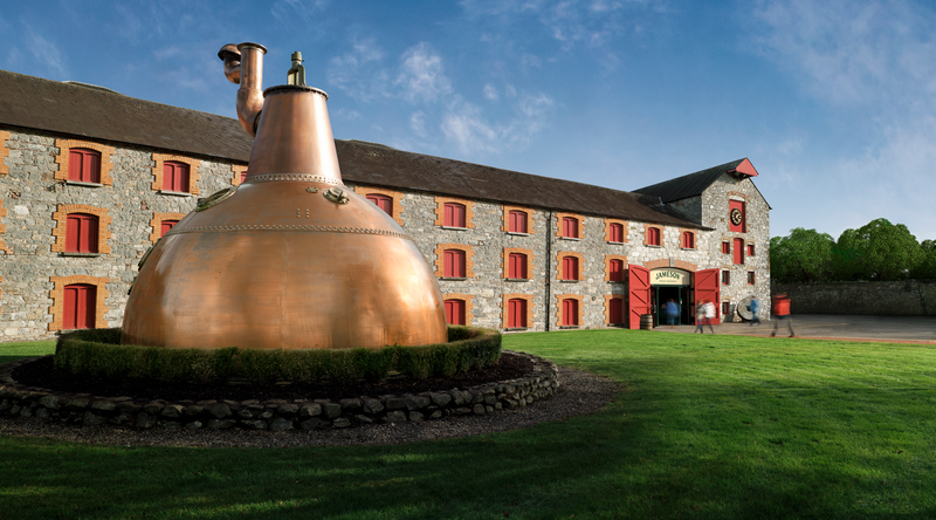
(688, 185)
(97, 113)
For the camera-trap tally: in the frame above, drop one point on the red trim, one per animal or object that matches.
(617, 232)
(745, 168)
(175, 176)
(638, 281)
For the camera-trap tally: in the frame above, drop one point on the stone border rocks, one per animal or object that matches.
(276, 414)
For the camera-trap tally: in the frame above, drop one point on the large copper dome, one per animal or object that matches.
(290, 259)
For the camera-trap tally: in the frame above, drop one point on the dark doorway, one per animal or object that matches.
(682, 295)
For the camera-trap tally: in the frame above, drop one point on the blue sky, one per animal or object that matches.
(834, 102)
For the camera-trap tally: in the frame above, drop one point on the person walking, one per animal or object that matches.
(780, 309)
(709, 315)
(753, 307)
(699, 316)
(672, 311)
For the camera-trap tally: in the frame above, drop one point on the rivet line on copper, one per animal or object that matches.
(300, 177)
(288, 227)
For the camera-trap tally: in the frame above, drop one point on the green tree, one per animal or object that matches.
(926, 268)
(804, 256)
(877, 251)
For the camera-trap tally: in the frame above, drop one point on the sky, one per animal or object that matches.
(834, 102)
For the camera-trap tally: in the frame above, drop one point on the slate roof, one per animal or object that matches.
(99, 114)
(689, 185)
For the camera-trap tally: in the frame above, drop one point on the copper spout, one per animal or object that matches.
(243, 65)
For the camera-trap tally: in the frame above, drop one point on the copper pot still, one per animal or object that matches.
(291, 258)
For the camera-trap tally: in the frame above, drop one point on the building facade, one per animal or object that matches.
(90, 182)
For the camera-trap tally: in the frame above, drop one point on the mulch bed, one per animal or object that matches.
(41, 373)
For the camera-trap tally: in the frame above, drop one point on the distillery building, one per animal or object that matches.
(90, 179)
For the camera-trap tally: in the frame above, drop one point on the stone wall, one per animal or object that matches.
(906, 298)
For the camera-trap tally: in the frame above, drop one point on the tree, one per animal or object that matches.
(877, 251)
(805, 256)
(926, 268)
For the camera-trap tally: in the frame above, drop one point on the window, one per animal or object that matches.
(570, 312)
(750, 249)
(653, 236)
(726, 248)
(616, 270)
(454, 264)
(84, 165)
(725, 308)
(243, 176)
(175, 177)
(455, 312)
(726, 277)
(616, 232)
(383, 202)
(517, 268)
(454, 215)
(750, 277)
(517, 313)
(688, 240)
(81, 233)
(615, 311)
(570, 268)
(80, 305)
(570, 227)
(518, 222)
(166, 226)
(739, 251)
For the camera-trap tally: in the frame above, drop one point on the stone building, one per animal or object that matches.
(90, 179)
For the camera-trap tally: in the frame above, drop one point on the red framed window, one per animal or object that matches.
(454, 263)
(750, 277)
(243, 176)
(79, 308)
(726, 248)
(725, 308)
(688, 240)
(455, 312)
(615, 311)
(570, 227)
(725, 277)
(570, 312)
(517, 313)
(454, 215)
(383, 202)
(616, 270)
(84, 165)
(517, 268)
(653, 236)
(570, 268)
(736, 216)
(175, 177)
(750, 249)
(81, 233)
(739, 250)
(166, 225)
(616, 233)
(517, 222)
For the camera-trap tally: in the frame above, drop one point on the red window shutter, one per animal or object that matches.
(740, 225)
(454, 215)
(653, 236)
(616, 270)
(518, 266)
(570, 268)
(615, 311)
(750, 249)
(75, 164)
(243, 176)
(739, 250)
(455, 312)
(517, 313)
(454, 263)
(176, 177)
(91, 172)
(81, 233)
(79, 306)
(570, 227)
(725, 248)
(169, 177)
(518, 222)
(383, 202)
(617, 233)
(72, 231)
(688, 240)
(167, 225)
(570, 312)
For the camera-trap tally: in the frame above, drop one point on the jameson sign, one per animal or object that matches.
(669, 276)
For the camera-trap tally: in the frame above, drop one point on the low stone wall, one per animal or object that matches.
(906, 298)
(277, 414)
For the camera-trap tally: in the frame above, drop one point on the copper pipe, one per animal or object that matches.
(244, 66)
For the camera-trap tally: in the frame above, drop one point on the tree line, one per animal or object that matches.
(878, 251)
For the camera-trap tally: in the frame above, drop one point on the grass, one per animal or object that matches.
(710, 427)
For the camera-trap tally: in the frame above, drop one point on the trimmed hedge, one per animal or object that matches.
(98, 352)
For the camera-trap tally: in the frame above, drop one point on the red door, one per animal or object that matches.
(615, 311)
(739, 250)
(517, 313)
(706, 288)
(80, 302)
(638, 282)
(570, 312)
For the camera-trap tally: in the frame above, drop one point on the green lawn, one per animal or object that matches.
(710, 427)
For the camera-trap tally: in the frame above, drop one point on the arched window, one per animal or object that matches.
(455, 312)
(518, 266)
(570, 268)
(81, 233)
(570, 312)
(80, 305)
(570, 227)
(84, 165)
(454, 215)
(616, 270)
(383, 202)
(453, 263)
(166, 226)
(615, 311)
(616, 233)
(517, 313)
(688, 240)
(175, 177)
(518, 222)
(653, 236)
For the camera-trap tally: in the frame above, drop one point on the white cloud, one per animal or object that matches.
(464, 126)
(288, 12)
(467, 127)
(46, 53)
(359, 71)
(422, 74)
(418, 124)
(490, 92)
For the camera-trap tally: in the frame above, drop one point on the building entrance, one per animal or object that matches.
(675, 284)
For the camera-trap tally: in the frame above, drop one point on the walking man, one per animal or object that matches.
(753, 307)
(780, 308)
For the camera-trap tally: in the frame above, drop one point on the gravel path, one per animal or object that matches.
(580, 393)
